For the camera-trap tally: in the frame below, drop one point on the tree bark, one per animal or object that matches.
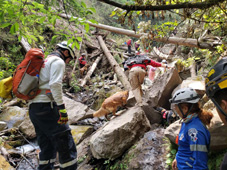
(187, 5)
(202, 43)
(25, 44)
(89, 73)
(117, 69)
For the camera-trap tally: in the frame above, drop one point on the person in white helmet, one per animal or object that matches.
(48, 114)
(194, 137)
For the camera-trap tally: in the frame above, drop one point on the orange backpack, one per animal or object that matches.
(26, 76)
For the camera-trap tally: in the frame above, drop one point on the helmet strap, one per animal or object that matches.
(186, 114)
(62, 56)
(219, 108)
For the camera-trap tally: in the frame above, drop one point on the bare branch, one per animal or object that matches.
(199, 5)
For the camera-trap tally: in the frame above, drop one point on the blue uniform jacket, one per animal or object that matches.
(194, 141)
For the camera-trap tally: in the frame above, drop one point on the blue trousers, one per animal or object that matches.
(52, 138)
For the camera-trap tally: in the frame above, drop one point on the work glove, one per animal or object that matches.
(63, 114)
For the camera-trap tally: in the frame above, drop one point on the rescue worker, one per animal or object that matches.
(137, 45)
(168, 116)
(49, 116)
(129, 44)
(216, 90)
(137, 74)
(194, 137)
(82, 60)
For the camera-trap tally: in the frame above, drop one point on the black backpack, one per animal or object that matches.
(138, 59)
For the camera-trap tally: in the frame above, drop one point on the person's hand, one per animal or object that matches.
(174, 165)
(63, 114)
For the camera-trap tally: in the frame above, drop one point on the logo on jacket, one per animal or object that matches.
(193, 134)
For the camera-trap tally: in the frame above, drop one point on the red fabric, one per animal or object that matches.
(152, 63)
(129, 42)
(177, 139)
(82, 60)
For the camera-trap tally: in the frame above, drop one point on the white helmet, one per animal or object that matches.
(185, 95)
(64, 45)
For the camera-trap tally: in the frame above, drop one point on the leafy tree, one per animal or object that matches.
(27, 18)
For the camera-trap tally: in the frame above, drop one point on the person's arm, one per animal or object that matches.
(56, 76)
(198, 146)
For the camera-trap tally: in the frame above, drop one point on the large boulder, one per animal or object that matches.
(13, 116)
(160, 92)
(198, 85)
(149, 152)
(76, 110)
(27, 128)
(114, 138)
(79, 133)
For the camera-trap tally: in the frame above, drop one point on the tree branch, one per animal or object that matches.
(199, 5)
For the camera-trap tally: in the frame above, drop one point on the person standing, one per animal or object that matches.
(137, 74)
(194, 137)
(216, 90)
(49, 116)
(129, 44)
(82, 60)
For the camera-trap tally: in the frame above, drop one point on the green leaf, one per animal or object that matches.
(76, 44)
(53, 40)
(33, 37)
(86, 27)
(93, 10)
(42, 19)
(173, 151)
(79, 38)
(12, 29)
(83, 4)
(168, 161)
(5, 25)
(93, 21)
(16, 27)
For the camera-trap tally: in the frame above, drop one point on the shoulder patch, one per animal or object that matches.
(193, 134)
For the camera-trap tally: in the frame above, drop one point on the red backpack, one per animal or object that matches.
(26, 76)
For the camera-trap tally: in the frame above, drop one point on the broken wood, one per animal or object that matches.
(26, 46)
(117, 69)
(160, 54)
(89, 73)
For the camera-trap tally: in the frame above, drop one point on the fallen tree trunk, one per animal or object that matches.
(203, 43)
(89, 73)
(117, 69)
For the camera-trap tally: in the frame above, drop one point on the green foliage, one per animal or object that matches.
(118, 59)
(75, 84)
(29, 18)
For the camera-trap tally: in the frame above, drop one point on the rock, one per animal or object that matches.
(114, 138)
(149, 152)
(4, 164)
(27, 128)
(152, 115)
(75, 110)
(160, 92)
(79, 133)
(13, 116)
(199, 86)
(3, 125)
